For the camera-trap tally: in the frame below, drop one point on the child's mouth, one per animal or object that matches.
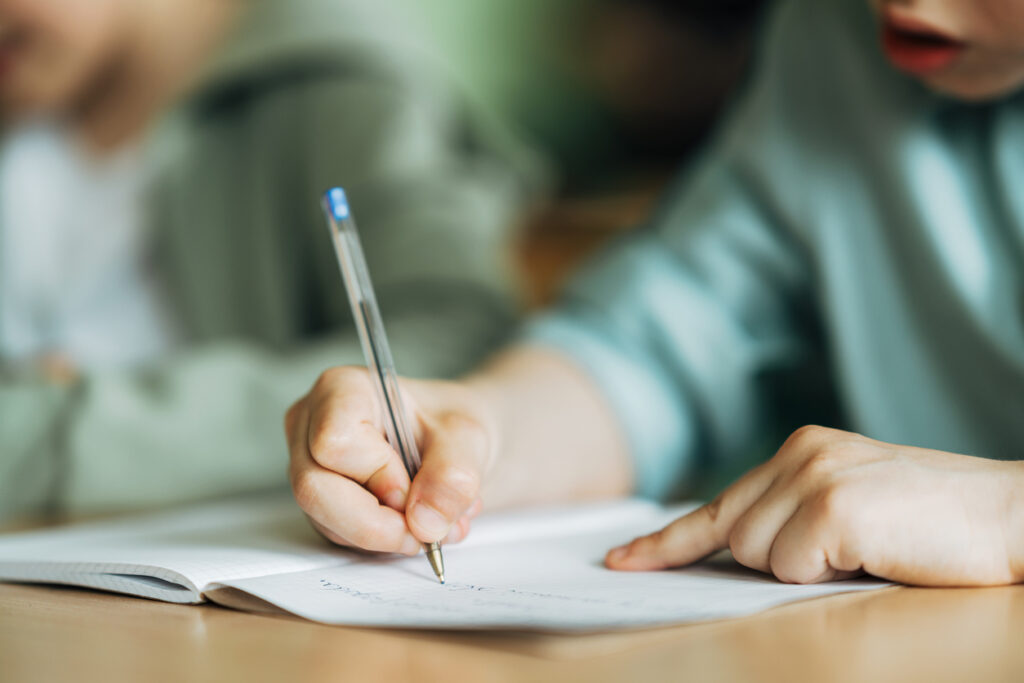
(917, 48)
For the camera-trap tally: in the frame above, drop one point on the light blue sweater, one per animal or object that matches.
(850, 241)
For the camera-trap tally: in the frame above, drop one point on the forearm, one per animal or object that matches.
(31, 411)
(1015, 524)
(200, 424)
(555, 437)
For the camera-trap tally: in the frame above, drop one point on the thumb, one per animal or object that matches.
(448, 482)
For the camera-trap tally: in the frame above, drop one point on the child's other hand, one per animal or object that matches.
(352, 483)
(831, 504)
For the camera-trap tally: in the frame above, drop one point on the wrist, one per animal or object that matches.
(1015, 522)
(484, 404)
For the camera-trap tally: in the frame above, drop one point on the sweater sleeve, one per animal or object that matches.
(693, 327)
(203, 423)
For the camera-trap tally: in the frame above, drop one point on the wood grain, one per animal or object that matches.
(899, 634)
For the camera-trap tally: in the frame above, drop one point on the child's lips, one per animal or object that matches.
(918, 48)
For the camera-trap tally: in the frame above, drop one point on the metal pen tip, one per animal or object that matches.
(436, 560)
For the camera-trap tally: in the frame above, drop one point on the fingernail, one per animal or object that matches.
(429, 521)
(395, 499)
(618, 554)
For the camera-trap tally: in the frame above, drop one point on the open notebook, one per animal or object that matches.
(533, 570)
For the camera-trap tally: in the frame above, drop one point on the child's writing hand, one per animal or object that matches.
(353, 485)
(831, 504)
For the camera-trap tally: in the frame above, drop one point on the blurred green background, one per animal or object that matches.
(613, 90)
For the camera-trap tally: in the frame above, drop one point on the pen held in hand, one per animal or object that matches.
(376, 351)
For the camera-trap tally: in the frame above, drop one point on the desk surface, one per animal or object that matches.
(898, 634)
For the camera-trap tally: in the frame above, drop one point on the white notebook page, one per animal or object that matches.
(241, 538)
(532, 571)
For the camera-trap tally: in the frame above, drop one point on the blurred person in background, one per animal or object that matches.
(167, 284)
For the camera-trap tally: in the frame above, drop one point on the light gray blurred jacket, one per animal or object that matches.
(306, 94)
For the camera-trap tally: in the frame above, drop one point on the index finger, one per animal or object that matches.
(697, 534)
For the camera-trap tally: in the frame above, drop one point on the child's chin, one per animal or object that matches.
(974, 89)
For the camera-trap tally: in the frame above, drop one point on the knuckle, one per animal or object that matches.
(655, 540)
(340, 376)
(462, 478)
(807, 437)
(821, 464)
(650, 544)
(305, 489)
(326, 443)
(460, 484)
(834, 504)
(469, 433)
(714, 509)
(467, 427)
(329, 377)
(291, 416)
(788, 571)
(740, 546)
(737, 539)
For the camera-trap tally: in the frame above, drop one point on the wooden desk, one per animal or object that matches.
(900, 634)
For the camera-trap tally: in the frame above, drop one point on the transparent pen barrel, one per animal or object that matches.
(370, 328)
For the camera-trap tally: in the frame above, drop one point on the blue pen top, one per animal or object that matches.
(338, 203)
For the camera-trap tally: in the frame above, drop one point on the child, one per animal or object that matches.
(167, 283)
(858, 227)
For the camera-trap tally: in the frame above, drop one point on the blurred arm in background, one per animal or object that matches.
(299, 96)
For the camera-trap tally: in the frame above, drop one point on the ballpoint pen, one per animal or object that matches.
(374, 341)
